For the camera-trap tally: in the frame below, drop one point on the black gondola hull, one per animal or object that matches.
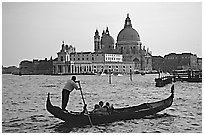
(134, 112)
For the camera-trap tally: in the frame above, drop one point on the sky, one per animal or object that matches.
(36, 30)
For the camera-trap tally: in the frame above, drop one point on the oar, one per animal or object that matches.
(81, 93)
(84, 103)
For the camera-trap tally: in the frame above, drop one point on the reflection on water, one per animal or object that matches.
(23, 104)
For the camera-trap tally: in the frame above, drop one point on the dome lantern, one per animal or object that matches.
(127, 22)
(107, 31)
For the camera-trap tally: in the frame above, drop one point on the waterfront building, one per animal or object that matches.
(87, 62)
(9, 70)
(26, 67)
(43, 66)
(183, 61)
(63, 64)
(36, 67)
(90, 62)
(157, 63)
(126, 55)
(128, 44)
(199, 61)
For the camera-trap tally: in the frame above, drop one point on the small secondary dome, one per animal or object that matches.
(106, 39)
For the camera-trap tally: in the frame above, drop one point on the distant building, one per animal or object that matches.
(183, 61)
(89, 62)
(199, 61)
(63, 64)
(9, 70)
(157, 63)
(26, 67)
(124, 56)
(128, 44)
(36, 67)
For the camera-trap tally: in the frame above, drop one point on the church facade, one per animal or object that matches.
(124, 56)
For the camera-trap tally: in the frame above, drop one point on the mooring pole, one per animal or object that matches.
(130, 75)
(109, 77)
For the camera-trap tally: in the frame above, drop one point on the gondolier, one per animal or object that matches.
(68, 88)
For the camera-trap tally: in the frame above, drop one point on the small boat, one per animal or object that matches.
(192, 79)
(162, 81)
(120, 74)
(187, 75)
(102, 74)
(118, 114)
(142, 73)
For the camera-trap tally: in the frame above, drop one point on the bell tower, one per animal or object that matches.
(97, 41)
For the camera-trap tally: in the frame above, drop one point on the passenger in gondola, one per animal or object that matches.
(112, 107)
(107, 107)
(96, 106)
(101, 103)
(98, 110)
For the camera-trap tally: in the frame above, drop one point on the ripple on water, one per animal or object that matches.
(24, 97)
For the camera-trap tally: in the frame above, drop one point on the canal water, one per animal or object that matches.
(24, 98)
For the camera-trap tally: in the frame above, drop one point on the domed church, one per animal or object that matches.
(128, 44)
(124, 56)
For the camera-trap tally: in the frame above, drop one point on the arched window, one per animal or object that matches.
(127, 50)
(133, 50)
(61, 58)
(121, 50)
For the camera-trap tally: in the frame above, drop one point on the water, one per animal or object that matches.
(24, 97)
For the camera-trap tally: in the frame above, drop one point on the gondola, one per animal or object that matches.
(118, 114)
(162, 81)
(142, 73)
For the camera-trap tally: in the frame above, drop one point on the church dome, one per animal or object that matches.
(106, 39)
(128, 34)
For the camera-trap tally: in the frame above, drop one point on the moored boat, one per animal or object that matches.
(142, 73)
(120, 74)
(102, 74)
(162, 81)
(192, 79)
(133, 112)
(187, 75)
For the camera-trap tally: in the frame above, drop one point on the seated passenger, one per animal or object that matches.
(107, 107)
(112, 107)
(99, 110)
(96, 106)
(101, 103)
